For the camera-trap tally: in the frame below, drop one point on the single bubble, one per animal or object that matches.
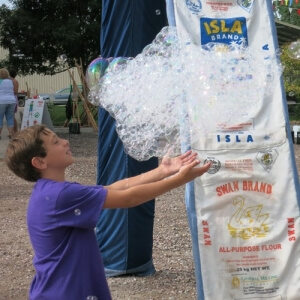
(149, 50)
(293, 50)
(117, 64)
(47, 198)
(278, 52)
(77, 212)
(95, 71)
(91, 298)
(158, 12)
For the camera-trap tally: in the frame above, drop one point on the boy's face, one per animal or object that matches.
(59, 155)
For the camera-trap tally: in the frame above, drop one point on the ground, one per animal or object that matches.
(172, 252)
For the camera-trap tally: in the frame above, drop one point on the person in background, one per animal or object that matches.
(7, 102)
(13, 74)
(62, 215)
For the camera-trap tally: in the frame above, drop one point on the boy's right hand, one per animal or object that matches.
(190, 171)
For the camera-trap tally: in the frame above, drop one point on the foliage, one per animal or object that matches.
(46, 36)
(288, 16)
(291, 75)
(294, 112)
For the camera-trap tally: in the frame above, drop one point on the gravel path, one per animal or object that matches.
(172, 255)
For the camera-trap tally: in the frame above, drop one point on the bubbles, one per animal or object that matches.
(95, 71)
(77, 212)
(174, 90)
(91, 298)
(293, 50)
(117, 65)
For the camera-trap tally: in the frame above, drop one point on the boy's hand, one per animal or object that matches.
(171, 166)
(190, 171)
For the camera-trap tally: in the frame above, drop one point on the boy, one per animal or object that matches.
(61, 215)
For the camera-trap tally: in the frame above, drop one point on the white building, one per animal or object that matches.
(43, 83)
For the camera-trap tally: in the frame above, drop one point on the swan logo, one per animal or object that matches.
(235, 282)
(246, 4)
(194, 6)
(215, 165)
(248, 221)
(267, 158)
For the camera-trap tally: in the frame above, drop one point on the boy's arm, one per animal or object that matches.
(168, 167)
(139, 194)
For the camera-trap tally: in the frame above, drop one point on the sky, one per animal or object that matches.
(4, 2)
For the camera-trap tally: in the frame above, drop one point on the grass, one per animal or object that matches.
(294, 118)
(57, 114)
(294, 113)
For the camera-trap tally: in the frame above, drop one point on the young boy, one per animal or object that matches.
(61, 215)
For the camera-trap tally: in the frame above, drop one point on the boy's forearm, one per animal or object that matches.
(142, 193)
(148, 177)
(168, 166)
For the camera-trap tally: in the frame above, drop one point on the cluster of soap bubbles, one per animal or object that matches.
(293, 50)
(175, 90)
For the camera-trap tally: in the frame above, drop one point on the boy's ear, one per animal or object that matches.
(38, 163)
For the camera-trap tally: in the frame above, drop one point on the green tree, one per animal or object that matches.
(288, 13)
(46, 36)
(291, 73)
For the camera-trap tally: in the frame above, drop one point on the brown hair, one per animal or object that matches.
(12, 73)
(4, 74)
(22, 148)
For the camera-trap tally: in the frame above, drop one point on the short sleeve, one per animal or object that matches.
(79, 206)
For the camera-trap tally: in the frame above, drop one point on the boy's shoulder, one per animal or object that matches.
(55, 187)
(46, 193)
(64, 188)
(47, 186)
(44, 183)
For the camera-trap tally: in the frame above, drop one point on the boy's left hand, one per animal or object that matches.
(171, 166)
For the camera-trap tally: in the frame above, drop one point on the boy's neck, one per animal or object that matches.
(55, 176)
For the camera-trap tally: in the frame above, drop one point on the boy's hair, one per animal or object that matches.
(22, 148)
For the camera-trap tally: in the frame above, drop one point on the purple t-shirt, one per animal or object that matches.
(61, 218)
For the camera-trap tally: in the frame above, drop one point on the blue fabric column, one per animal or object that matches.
(125, 236)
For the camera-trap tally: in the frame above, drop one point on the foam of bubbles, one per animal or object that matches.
(173, 85)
